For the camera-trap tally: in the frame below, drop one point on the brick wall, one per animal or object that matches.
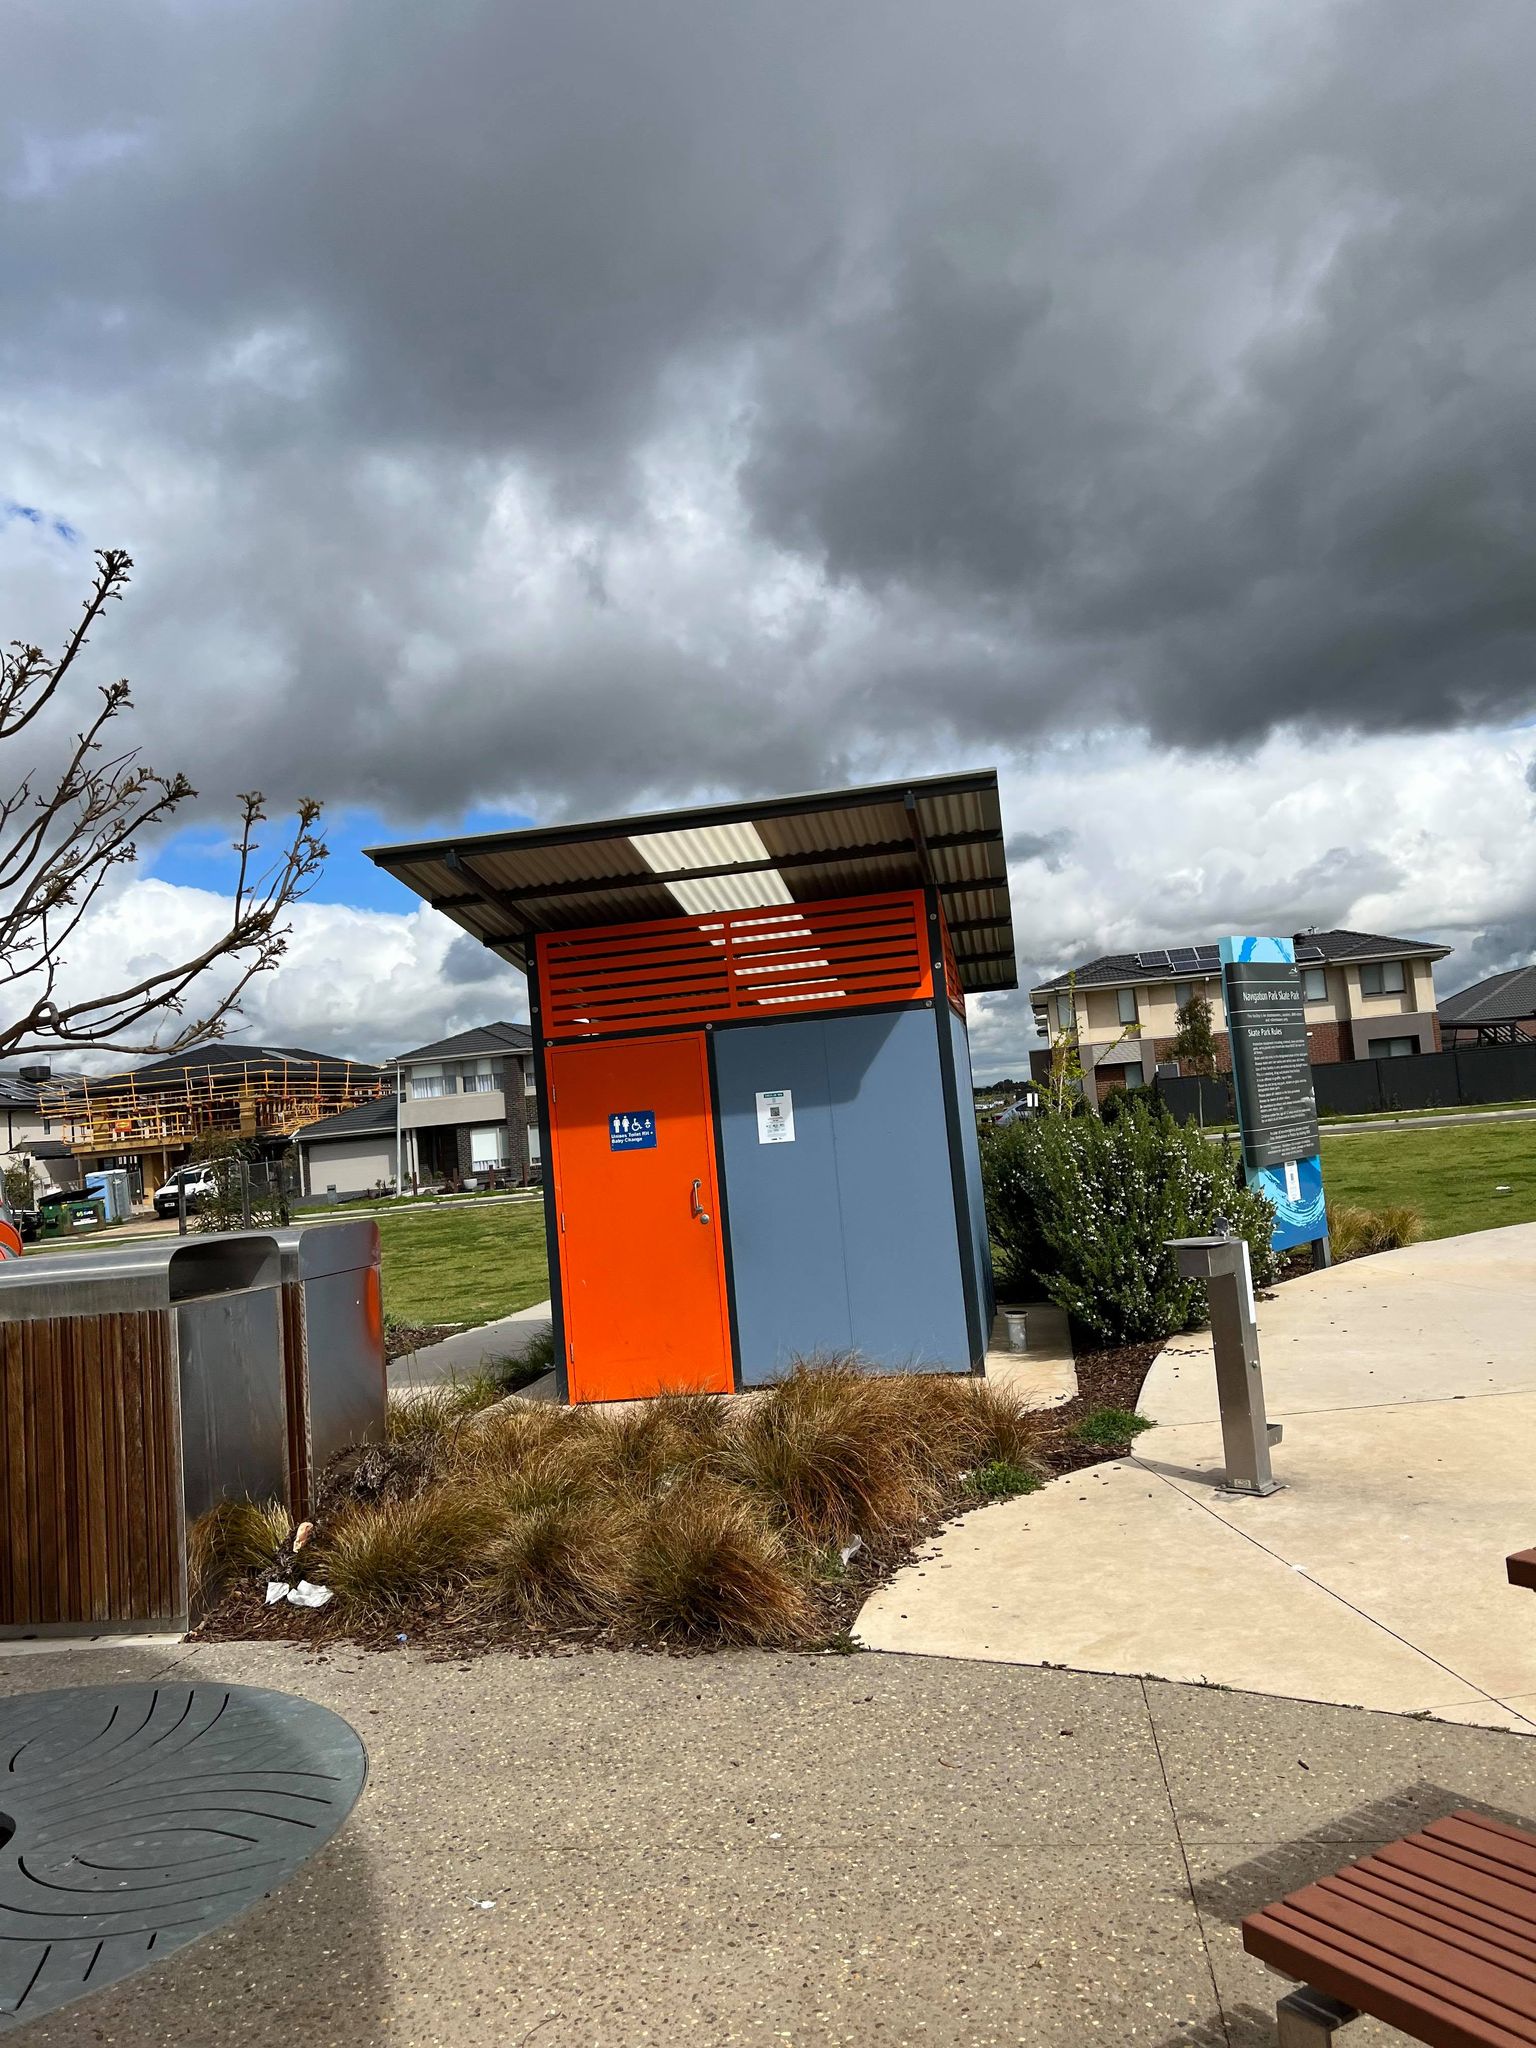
(1327, 1044)
(1163, 1049)
(517, 1119)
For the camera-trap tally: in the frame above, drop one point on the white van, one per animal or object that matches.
(200, 1186)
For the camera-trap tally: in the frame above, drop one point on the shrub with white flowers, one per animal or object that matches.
(1079, 1208)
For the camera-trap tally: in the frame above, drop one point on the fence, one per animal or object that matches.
(1430, 1080)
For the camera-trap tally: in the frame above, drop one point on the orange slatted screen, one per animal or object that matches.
(735, 964)
(952, 986)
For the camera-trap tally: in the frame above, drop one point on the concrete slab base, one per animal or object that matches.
(746, 1850)
(1374, 1578)
(1043, 1374)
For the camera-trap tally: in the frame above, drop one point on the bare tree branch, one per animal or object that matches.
(64, 833)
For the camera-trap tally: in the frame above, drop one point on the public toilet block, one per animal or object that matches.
(755, 1101)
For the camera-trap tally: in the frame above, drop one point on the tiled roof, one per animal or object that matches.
(1502, 998)
(358, 1121)
(1195, 962)
(483, 1039)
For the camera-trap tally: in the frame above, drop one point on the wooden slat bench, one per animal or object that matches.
(1435, 1935)
(1522, 1568)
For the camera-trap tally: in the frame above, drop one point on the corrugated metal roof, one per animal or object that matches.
(506, 886)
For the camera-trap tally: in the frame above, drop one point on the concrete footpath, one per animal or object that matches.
(1406, 1384)
(630, 1852)
(462, 1355)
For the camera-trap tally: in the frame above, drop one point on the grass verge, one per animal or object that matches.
(1452, 1177)
(465, 1266)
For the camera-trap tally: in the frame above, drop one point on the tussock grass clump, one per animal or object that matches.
(952, 1423)
(515, 1433)
(1011, 1433)
(649, 1446)
(684, 1521)
(234, 1536)
(423, 1436)
(1357, 1233)
(828, 1451)
(555, 1562)
(703, 1565)
(378, 1560)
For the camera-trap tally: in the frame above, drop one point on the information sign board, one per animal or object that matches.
(1272, 1081)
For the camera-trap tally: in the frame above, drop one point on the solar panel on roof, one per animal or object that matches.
(1309, 953)
(1184, 956)
(1152, 960)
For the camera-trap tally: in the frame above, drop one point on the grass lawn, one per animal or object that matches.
(1448, 1175)
(463, 1265)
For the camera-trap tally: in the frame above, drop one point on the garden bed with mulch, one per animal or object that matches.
(680, 1525)
(401, 1339)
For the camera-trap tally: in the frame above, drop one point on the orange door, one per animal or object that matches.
(641, 1270)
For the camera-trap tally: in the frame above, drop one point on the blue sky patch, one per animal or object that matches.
(33, 515)
(203, 857)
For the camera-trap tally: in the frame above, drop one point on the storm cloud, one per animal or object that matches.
(580, 406)
(762, 383)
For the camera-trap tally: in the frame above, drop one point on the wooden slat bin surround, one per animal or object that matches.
(90, 1472)
(140, 1384)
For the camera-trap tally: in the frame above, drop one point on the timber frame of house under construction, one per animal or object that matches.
(158, 1113)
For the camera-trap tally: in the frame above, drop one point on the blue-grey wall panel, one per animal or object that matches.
(970, 1146)
(781, 1200)
(895, 1190)
(847, 1237)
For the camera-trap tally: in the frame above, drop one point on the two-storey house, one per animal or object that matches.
(1367, 997)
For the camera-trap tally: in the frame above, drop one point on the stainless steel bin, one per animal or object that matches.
(138, 1385)
(333, 1347)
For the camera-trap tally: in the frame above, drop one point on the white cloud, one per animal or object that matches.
(1403, 835)
(364, 983)
(1139, 847)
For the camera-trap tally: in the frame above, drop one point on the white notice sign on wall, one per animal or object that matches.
(775, 1116)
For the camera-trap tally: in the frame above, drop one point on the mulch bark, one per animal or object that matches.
(400, 1339)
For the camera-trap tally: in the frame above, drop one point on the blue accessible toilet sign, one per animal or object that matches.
(632, 1130)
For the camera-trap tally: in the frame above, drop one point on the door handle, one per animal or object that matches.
(698, 1209)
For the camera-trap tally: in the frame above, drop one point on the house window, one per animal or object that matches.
(427, 1087)
(488, 1147)
(1065, 1015)
(1392, 1048)
(1126, 999)
(480, 1080)
(1183, 994)
(1314, 985)
(1135, 1076)
(1382, 978)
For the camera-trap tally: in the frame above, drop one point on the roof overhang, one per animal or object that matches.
(945, 831)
